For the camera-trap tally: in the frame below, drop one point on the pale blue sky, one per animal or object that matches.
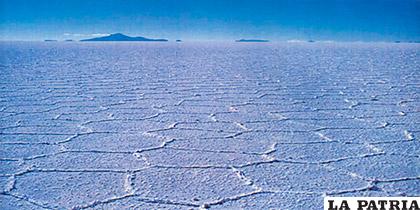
(343, 20)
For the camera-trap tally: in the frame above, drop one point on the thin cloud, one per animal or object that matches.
(100, 34)
(84, 35)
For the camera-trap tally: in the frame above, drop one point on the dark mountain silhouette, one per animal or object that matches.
(252, 40)
(122, 37)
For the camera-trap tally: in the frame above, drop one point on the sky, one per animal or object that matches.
(335, 20)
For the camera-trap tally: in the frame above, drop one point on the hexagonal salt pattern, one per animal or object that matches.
(196, 125)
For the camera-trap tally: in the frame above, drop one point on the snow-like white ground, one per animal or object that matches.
(220, 126)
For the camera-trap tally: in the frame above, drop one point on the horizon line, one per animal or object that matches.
(241, 39)
(229, 40)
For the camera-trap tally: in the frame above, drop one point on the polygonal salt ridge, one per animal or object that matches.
(205, 200)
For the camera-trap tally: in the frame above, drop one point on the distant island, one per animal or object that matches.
(252, 40)
(178, 40)
(121, 37)
(50, 40)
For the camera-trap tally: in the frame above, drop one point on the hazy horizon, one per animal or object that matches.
(329, 20)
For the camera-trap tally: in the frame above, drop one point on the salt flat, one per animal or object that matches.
(205, 125)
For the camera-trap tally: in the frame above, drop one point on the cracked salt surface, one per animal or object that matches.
(165, 126)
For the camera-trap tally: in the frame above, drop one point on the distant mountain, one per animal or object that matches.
(252, 40)
(121, 37)
(50, 40)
